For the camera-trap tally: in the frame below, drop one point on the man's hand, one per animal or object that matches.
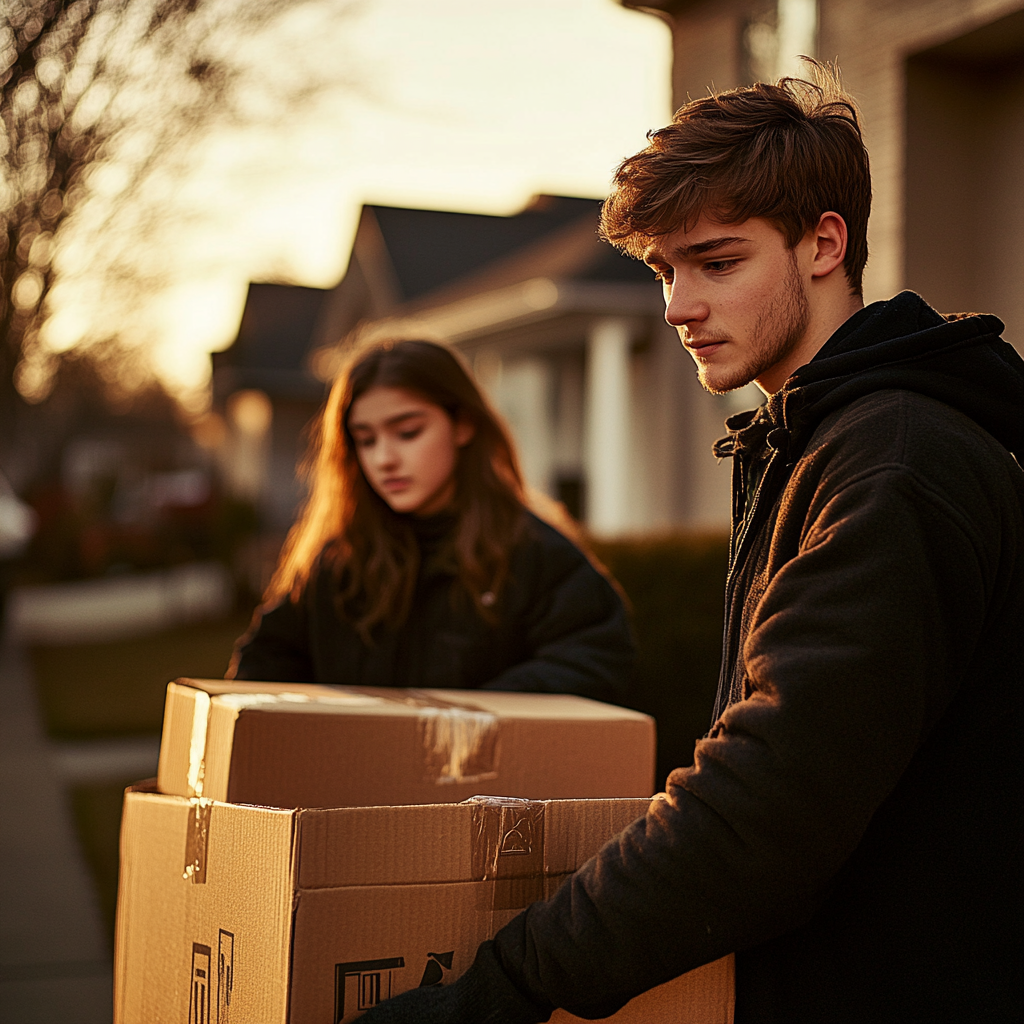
(483, 995)
(423, 1005)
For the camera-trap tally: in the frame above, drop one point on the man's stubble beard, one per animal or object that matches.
(780, 328)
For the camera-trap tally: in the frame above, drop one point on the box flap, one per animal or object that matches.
(577, 829)
(384, 845)
(183, 916)
(490, 837)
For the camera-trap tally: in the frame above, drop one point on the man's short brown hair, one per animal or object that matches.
(787, 152)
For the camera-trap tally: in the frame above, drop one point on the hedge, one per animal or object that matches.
(676, 586)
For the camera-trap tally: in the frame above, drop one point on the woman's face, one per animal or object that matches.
(408, 448)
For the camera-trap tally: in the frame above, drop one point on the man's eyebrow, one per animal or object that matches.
(684, 252)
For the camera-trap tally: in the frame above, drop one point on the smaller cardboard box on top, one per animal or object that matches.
(236, 914)
(304, 745)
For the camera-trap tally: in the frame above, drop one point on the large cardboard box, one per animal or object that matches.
(234, 914)
(303, 745)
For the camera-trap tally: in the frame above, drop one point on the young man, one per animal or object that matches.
(851, 825)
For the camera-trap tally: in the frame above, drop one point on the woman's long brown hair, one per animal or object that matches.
(351, 530)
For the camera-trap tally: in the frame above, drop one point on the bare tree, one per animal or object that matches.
(102, 101)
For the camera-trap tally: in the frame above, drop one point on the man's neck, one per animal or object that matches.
(829, 311)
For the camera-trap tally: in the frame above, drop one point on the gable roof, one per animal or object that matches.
(408, 260)
(272, 347)
(431, 248)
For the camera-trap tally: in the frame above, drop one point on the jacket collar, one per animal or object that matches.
(899, 344)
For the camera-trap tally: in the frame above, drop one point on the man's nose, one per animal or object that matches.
(684, 307)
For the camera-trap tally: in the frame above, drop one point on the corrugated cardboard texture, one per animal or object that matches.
(298, 745)
(703, 996)
(411, 846)
(439, 843)
(309, 917)
(402, 926)
(219, 948)
(576, 830)
(418, 935)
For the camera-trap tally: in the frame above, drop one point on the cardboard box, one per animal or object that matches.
(234, 914)
(303, 745)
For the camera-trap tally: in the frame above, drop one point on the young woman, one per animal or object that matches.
(415, 561)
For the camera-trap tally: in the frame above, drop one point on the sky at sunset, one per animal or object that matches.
(454, 104)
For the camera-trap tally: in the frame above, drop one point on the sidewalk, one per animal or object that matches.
(55, 955)
(55, 960)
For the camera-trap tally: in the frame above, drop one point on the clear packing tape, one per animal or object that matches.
(199, 807)
(459, 740)
(508, 849)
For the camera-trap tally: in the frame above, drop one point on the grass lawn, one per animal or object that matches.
(89, 691)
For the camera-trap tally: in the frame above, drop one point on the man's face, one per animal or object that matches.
(735, 295)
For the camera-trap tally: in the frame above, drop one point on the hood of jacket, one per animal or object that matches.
(900, 344)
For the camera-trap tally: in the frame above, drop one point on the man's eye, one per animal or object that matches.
(718, 266)
(664, 275)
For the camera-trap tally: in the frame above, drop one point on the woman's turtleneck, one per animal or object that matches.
(433, 534)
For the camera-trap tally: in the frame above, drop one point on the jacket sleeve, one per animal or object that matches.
(575, 626)
(276, 646)
(843, 686)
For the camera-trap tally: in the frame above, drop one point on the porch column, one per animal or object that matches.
(608, 426)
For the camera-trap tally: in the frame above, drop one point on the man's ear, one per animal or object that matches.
(829, 244)
(465, 431)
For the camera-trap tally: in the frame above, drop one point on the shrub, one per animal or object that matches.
(676, 586)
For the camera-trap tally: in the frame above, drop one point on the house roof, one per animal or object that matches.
(431, 249)
(405, 261)
(271, 350)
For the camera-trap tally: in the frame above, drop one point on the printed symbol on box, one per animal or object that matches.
(199, 986)
(518, 839)
(225, 974)
(437, 964)
(370, 980)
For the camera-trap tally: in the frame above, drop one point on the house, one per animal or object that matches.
(263, 384)
(566, 335)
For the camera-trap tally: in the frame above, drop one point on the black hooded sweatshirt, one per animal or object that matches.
(851, 825)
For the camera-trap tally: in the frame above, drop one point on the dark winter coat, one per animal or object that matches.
(851, 826)
(561, 628)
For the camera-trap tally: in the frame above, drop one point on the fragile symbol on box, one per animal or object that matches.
(369, 980)
(517, 838)
(437, 964)
(199, 1000)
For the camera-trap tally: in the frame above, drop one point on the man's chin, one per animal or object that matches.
(720, 383)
